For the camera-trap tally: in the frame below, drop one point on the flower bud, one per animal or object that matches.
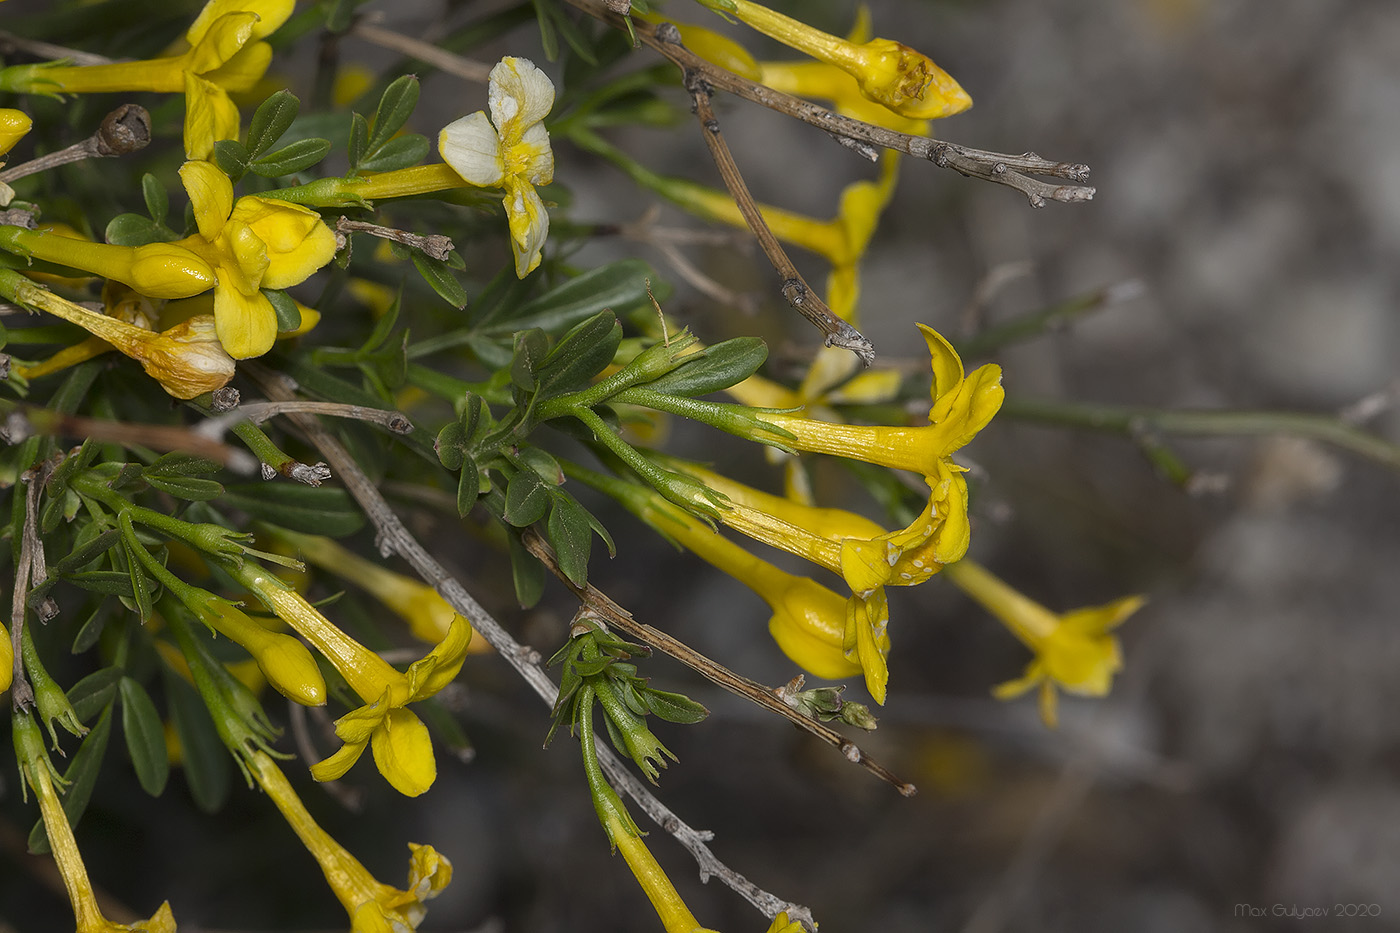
(14, 124)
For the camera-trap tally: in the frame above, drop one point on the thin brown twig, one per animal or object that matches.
(9, 42)
(258, 412)
(766, 697)
(433, 244)
(125, 130)
(998, 167)
(836, 332)
(392, 537)
(21, 421)
(425, 52)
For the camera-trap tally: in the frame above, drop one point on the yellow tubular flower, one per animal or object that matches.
(675, 915)
(428, 615)
(403, 750)
(226, 55)
(888, 72)
(7, 659)
(961, 406)
(283, 660)
(14, 124)
(1074, 651)
(157, 270)
(187, 360)
(373, 907)
(250, 244)
(809, 621)
(37, 771)
(510, 150)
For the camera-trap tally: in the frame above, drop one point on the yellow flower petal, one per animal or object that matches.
(211, 195)
(220, 42)
(334, 767)
(403, 752)
(271, 15)
(296, 241)
(246, 324)
(472, 147)
(209, 117)
(529, 225)
(520, 95)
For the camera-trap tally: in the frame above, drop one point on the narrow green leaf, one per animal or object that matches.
(468, 487)
(673, 707)
(542, 463)
(188, 488)
(110, 582)
(619, 286)
(205, 760)
(82, 777)
(89, 550)
(549, 39)
(399, 152)
(324, 510)
(231, 158)
(145, 739)
(395, 107)
(527, 573)
(140, 583)
(439, 275)
(531, 347)
(91, 630)
(722, 365)
(582, 353)
(359, 140)
(572, 536)
(93, 692)
(292, 158)
(272, 119)
(288, 314)
(179, 464)
(157, 201)
(384, 326)
(527, 498)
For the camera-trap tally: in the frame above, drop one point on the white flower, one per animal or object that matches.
(513, 154)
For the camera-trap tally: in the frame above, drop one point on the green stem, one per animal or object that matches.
(605, 799)
(1135, 421)
(256, 440)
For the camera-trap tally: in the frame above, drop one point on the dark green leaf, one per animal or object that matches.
(439, 275)
(527, 572)
(292, 158)
(531, 347)
(576, 39)
(157, 201)
(88, 550)
(189, 488)
(468, 487)
(527, 498)
(272, 118)
(135, 230)
(359, 140)
(384, 326)
(582, 353)
(572, 536)
(81, 777)
(673, 707)
(324, 510)
(178, 464)
(91, 630)
(288, 314)
(549, 39)
(205, 760)
(231, 158)
(399, 152)
(722, 365)
(140, 583)
(145, 739)
(617, 286)
(451, 445)
(395, 107)
(544, 465)
(51, 516)
(93, 692)
(111, 582)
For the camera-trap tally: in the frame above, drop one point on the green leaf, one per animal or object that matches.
(384, 326)
(324, 510)
(292, 158)
(722, 365)
(188, 488)
(140, 583)
(395, 107)
(399, 152)
(531, 347)
(527, 498)
(359, 140)
(88, 551)
(288, 314)
(231, 158)
(468, 487)
(582, 353)
(272, 119)
(93, 692)
(135, 230)
(110, 582)
(439, 275)
(527, 573)
(342, 14)
(549, 39)
(91, 630)
(81, 777)
(145, 739)
(451, 445)
(157, 201)
(206, 762)
(571, 534)
(673, 707)
(619, 286)
(178, 464)
(543, 465)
